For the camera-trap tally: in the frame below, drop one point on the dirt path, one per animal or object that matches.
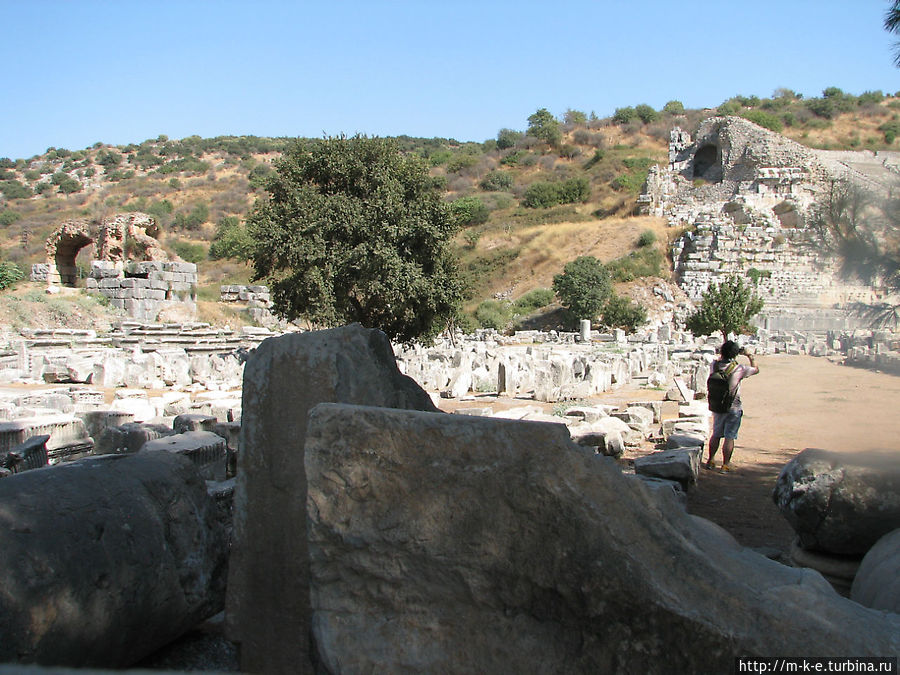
(795, 402)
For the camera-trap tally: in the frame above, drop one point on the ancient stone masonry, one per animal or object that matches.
(257, 300)
(127, 265)
(743, 194)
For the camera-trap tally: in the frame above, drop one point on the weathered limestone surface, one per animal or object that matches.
(840, 502)
(445, 543)
(127, 554)
(204, 449)
(877, 582)
(268, 605)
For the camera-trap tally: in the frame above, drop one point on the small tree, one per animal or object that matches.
(584, 287)
(728, 308)
(674, 107)
(621, 312)
(507, 138)
(353, 230)
(544, 126)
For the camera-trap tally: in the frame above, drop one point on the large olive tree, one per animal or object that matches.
(354, 230)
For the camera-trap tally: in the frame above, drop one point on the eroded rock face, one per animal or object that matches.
(446, 543)
(106, 559)
(840, 502)
(268, 586)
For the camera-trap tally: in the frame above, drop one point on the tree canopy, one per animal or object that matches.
(543, 125)
(727, 307)
(584, 287)
(352, 230)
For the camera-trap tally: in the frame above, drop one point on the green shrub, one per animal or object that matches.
(624, 115)
(728, 108)
(596, 157)
(231, 240)
(496, 181)
(645, 262)
(513, 158)
(10, 274)
(8, 217)
(461, 161)
(194, 218)
(674, 108)
(647, 238)
(189, 251)
(620, 312)
(534, 300)
(13, 189)
(891, 130)
(544, 195)
(646, 113)
(469, 211)
(764, 119)
(507, 138)
(493, 314)
(544, 126)
(755, 275)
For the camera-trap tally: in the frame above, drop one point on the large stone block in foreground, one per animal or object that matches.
(446, 543)
(268, 585)
(107, 559)
(840, 502)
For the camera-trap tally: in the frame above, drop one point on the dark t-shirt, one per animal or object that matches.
(734, 380)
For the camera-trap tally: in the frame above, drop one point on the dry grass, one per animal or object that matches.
(545, 249)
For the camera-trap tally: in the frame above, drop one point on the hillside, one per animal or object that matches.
(506, 192)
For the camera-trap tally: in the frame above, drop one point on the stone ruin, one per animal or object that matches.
(372, 533)
(127, 265)
(744, 194)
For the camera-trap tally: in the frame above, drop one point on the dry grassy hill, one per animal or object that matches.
(506, 246)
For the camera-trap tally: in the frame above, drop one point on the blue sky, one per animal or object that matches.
(122, 71)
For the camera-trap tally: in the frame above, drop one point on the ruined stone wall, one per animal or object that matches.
(145, 288)
(742, 194)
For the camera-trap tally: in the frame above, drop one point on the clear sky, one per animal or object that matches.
(122, 71)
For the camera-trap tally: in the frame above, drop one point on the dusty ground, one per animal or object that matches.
(794, 403)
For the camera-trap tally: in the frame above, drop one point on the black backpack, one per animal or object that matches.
(718, 396)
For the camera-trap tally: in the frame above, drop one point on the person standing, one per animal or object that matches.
(726, 424)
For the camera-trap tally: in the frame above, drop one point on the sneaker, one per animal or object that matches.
(709, 465)
(726, 468)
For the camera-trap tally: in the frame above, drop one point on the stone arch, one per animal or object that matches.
(787, 214)
(62, 249)
(706, 162)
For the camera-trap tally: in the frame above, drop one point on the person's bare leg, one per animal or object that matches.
(727, 451)
(713, 449)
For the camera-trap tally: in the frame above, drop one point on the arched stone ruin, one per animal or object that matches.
(128, 264)
(706, 163)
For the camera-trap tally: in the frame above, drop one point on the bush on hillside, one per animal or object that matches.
(13, 189)
(674, 108)
(645, 262)
(764, 119)
(621, 312)
(189, 251)
(193, 219)
(469, 211)
(507, 138)
(647, 238)
(533, 300)
(646, 113)
(544, 195)
(496, 181)
(624, 115)
(9, 274)
(8, 217)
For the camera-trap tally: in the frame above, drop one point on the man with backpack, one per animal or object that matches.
(724, 399)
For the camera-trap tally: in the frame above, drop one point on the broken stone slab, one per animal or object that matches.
(98, 421)
(663, 484)
(429, 553)
(654, 406)
(127, 555)
(33, 453)
(231, 432)
(205, 449)
(268, 589)
(68, 436)
(840, 502)
(638, 418)
(589, 413)
(877, 582)
(194, 422)
(681, 464)
(129, 438)
(608, 443)
(685, 440)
